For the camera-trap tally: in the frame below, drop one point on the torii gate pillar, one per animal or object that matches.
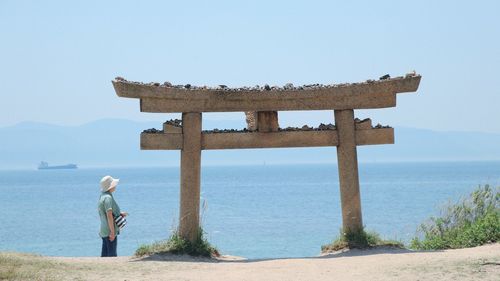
(347, 160)
(189, 218)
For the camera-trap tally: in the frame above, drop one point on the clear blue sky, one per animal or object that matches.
(57, 58)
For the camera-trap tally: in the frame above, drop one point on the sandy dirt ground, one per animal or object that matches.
(480, 263)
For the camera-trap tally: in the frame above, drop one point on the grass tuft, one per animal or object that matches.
(179, 246)
(359, 240)
(471, 222)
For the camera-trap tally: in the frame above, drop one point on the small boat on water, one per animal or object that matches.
(45, 166)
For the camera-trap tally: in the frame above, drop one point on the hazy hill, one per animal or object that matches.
(114, 142)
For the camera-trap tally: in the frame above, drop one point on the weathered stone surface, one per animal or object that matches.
(375, 136)
(171, 129)
(189, 214)
(269, 140)
(152, 141)
(348, 171)
(251, 119)
(377, 94)
(281, 139)
(267, 121)
(363, 124)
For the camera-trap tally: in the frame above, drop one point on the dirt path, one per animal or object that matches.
(481, 263)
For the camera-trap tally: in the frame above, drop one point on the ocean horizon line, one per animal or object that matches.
(225, 165)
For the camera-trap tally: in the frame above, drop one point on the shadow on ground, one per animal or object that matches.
(234, 259)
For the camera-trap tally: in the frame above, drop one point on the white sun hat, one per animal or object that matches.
(108, 182)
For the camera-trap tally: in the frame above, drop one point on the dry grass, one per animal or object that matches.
(21, 266)
(359, 240)
(14, 266)
(179, 246)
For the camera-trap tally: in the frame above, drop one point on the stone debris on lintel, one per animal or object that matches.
(174, 122)
(321, 127)
(266, 87)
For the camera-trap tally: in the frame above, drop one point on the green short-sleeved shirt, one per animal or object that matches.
(107, 202)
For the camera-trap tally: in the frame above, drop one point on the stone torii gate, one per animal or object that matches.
(261, 104)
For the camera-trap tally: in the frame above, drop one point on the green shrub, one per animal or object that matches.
(473, 221)
(359, 240)
(178, 245)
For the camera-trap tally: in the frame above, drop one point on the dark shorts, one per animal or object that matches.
(108, 247)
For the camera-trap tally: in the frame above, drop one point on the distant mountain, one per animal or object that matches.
(426, 145)
(115, 142)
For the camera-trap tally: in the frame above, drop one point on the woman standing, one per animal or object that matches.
(108, 209)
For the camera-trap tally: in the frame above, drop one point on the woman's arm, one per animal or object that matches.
(111, 224)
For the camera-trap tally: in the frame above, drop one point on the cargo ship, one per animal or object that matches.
(45, 166)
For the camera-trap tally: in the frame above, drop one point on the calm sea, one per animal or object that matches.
(251, 211)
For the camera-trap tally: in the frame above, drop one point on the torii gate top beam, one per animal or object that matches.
(169, 99)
